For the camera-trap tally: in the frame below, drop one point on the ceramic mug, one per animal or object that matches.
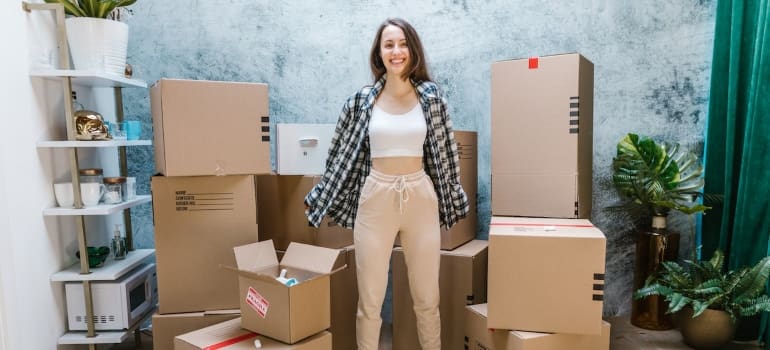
(63, 193)
(91, 193)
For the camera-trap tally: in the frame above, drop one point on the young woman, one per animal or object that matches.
(393, 168)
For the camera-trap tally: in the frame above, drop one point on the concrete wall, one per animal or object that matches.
(652, 61)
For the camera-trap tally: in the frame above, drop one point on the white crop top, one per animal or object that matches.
(397, 135)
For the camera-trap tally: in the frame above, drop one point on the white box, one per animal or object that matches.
(301, 149)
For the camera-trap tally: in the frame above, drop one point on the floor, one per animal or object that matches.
(624, 336)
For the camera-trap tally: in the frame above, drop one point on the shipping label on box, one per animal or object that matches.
(210, 127)
(301, 149)
(546, 275)
(542, 134)
(479, 337)
(462, 281)
(198, 221)
(288, 312)
(229, 335)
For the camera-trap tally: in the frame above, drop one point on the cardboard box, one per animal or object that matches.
(198, 221)
(285, 313)
(465, 229)
(546, 275)
(282, 214)
(210, 127)
(230, 336)
(479, 337)
(301, 149)
(166, 327)
(542, 134)
(462, 281)
(344, 299)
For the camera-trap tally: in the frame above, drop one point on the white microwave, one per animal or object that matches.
(117, 304)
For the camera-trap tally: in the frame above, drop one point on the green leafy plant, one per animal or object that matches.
(657, 177)
(702, 285)
(91, 8)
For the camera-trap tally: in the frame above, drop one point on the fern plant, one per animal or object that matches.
(91, 8)
(657, 177)
(702, 285)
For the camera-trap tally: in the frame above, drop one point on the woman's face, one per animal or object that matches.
(393, 50)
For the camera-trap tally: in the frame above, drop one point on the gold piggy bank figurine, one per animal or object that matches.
(90, 126)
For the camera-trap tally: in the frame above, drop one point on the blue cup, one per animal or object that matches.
(132, 128)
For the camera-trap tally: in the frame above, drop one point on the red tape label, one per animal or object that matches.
(232, 341)
(533, 62)
(257, 302)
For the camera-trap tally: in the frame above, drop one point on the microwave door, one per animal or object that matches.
(139, 296)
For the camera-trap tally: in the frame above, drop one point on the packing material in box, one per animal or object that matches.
(210, 127)
(462, 281)
(301, 149)
(478, 336)
(282, 214)
(286, 312)
(546, 275)
(542, 135)
(166, 327)
(198, 221)
(465, 229)
(230, 336)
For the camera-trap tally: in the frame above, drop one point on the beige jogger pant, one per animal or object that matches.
(388, 205)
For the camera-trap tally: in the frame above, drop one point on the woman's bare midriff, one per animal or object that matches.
(397, 165)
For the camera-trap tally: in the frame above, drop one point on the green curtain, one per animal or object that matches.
(738, 140)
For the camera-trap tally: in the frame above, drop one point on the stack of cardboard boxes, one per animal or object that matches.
(463, 275)
(212, 145)
(546, 261)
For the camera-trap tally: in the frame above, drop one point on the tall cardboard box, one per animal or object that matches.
(546, 275)
(166, 327)
(198, 221)
(288, 313)
(205, 127)
(282, 214)
(542, 116)
(301, 149)
(230, 336)
(465, 229)
(479, 337)
(344, 301)
(462, 281)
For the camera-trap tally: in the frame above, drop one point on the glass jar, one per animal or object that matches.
(91, 175)
(113, 187)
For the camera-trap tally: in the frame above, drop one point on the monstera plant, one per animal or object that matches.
(654, 178)
(708, 298)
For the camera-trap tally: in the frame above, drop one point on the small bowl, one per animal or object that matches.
(96, 256)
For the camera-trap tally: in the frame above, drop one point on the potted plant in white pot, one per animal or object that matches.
(654, 178)
(707, 301)
(98, 41)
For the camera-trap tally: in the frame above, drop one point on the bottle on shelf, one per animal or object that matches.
(119, 244)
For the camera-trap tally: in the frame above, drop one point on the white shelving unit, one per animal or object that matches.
(92, 144)
(112, 269)
(101, 209)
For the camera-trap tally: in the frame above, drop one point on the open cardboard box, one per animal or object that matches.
(271, 308)
(229, 335)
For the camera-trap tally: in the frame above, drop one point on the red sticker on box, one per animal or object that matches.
(257, 302)
(533, 62)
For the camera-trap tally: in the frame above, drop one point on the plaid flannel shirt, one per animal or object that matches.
(349, 161)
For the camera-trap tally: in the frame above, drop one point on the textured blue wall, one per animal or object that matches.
(652, 61)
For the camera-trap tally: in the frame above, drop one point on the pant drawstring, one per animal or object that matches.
(403, 194)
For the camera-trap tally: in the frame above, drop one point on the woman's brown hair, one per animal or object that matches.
(417, 69)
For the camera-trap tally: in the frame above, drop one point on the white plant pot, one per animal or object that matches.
(97, 44)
